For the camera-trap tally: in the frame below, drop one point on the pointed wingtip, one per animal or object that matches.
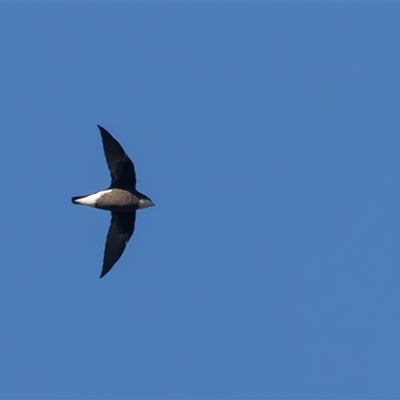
(102, 130)
(105, 134)
(103, 273)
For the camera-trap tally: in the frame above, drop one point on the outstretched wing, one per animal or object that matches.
(120, 165)
(121, 229)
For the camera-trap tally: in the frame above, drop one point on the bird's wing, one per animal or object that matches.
(120, 165)
(121, 229)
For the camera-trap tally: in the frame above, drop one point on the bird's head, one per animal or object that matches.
(144, 201)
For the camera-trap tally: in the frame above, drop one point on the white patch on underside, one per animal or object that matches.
(92, 198)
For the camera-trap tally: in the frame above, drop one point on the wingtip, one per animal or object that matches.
(101, 129)
(104, 133)
(103, 273)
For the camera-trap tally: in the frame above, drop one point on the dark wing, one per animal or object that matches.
(121, 229)
(121, 167)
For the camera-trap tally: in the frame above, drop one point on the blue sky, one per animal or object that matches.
(267, 135)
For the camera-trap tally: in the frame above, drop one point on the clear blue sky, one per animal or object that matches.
(267, 135)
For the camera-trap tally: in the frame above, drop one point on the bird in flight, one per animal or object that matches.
(121, 198)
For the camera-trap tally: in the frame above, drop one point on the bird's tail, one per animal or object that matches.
(76, 199)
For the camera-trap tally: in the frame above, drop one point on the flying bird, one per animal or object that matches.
(121, 198)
